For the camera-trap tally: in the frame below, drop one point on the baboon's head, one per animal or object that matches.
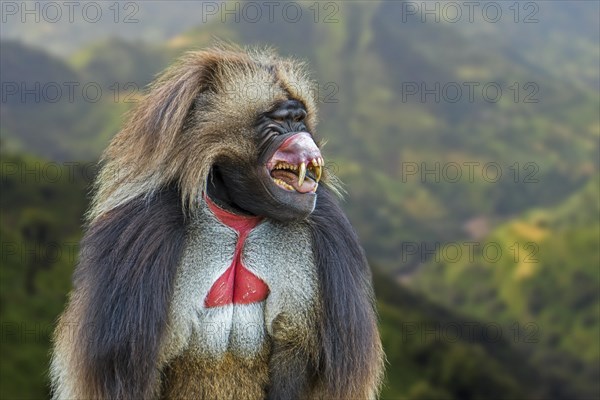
(235, 125)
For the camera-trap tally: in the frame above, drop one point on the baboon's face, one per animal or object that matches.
(283, 181)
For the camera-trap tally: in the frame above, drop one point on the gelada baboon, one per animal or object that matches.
(216, 263)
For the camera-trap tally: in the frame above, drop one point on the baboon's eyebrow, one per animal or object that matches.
(284, 105)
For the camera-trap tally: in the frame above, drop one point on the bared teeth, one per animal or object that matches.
(315, 165)
(284, 165)
(302, 174)
(317, 168)
(283, 184)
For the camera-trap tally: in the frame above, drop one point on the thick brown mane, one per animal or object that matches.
(191, 116)
(136, 255)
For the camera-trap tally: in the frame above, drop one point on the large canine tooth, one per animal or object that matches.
(318, 171)
(302, 174)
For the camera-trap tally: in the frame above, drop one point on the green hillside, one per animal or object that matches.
(42, 206)
(54, 111)
(434, 353)
(115, 61)
(40, 239)
(546, 280)
(543, 149)
(397, 153)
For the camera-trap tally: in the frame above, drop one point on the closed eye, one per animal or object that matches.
(274, 127)
(300, 116)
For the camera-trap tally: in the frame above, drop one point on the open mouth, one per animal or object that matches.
(297, 164)
(302, 177)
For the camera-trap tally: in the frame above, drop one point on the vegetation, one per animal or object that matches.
(543, 288)
(40, 240)
(40, 229)
(398, 154)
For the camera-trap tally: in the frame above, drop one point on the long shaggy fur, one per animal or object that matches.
(108, 341)
(110, 337)
(193, 115)
(350, 355)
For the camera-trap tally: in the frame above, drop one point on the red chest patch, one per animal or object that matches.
(237, 285)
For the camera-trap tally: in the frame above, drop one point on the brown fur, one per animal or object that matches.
(124, 281)
(174, 144)
(231, 377)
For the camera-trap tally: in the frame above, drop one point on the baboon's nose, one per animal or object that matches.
(299, 148)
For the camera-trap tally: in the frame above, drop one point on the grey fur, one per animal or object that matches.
(280, 254)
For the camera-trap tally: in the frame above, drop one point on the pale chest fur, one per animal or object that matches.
(278, 254)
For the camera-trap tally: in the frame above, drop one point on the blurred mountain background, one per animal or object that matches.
(488, 284)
